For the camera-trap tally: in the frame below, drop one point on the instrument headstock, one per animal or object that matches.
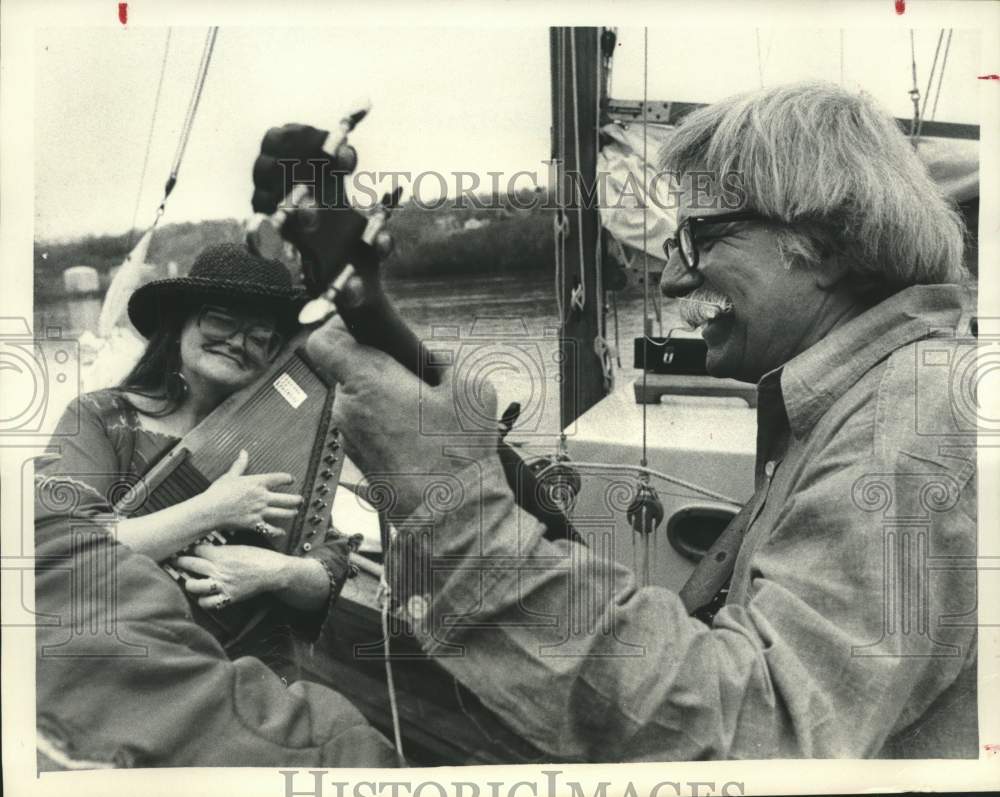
(307, 169)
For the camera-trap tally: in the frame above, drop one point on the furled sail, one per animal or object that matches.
(130, 276)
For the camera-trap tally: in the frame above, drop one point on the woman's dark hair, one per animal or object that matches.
(157, 374)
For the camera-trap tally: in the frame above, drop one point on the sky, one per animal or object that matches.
(444, 100)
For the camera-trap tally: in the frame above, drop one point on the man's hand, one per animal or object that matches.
(394, 426)
(327, 236)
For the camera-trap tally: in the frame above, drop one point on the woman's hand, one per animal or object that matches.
(236, 501)
(223, 574)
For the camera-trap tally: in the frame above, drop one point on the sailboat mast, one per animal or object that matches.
(578, 84)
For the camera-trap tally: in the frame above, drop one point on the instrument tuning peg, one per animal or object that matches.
(263, 233)
(391, 201)
(383, 244)
(509, 418)
(322, 307)
(361, 108)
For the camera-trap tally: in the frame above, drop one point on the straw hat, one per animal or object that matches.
(228, 274)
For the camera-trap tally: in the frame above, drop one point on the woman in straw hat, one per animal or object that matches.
(125, 677)
(209, 334)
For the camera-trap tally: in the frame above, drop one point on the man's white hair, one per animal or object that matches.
(835, 168)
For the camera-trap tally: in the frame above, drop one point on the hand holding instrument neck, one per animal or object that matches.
(341, 251)
(340, 247)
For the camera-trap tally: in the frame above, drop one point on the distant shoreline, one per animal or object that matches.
(504, 235)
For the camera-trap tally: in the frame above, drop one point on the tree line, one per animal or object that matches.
(491, 235)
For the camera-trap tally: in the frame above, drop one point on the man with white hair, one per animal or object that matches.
(849, 629)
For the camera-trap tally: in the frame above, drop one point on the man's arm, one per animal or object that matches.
(562, 645)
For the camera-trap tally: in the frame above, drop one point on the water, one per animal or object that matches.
(499, 328)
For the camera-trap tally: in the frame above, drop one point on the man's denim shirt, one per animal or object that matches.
(850, 627)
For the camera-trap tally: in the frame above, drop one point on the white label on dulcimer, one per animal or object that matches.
(290, 390)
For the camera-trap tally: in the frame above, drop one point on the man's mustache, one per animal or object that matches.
(702, 305)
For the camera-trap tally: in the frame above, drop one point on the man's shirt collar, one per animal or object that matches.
(812, 381)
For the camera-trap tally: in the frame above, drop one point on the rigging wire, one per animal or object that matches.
(580, 292)
(559, 220)
(601, 346)
(598, 259)
(944, 64)
(646, 471)
(930, 83)
(128, 276)
(627, 262)
(760, 61)
(658, 310)
(618, 342)
(915, 91)
(645, 202)
(149, 140)
(206, 59)
(841, 56)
